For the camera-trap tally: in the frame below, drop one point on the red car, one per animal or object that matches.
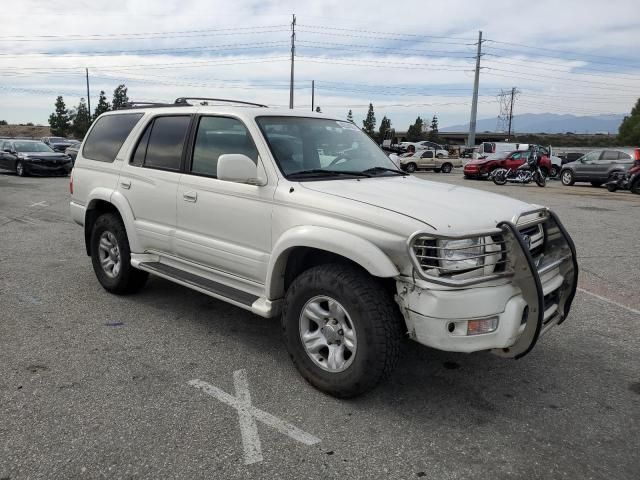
(482, 167)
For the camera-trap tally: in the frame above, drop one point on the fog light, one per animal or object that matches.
(486, 325)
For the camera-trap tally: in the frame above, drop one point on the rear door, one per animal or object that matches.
(149, 180)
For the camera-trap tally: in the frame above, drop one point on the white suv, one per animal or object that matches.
(303, 216)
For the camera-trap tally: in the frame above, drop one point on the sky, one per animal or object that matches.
(408, 58)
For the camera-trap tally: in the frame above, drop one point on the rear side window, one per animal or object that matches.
(624, 156)
(108, 135)
(166, 142)
(609, 155)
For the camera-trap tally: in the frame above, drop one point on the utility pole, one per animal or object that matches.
(293, 53)
(513, 95)
(313, 91)
(474, 104)
(86, 70)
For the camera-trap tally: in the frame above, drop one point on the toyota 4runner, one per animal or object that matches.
(304, 217)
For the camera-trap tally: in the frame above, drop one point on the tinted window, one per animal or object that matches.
(624, 156)
(218, 136)
(428, 154)
(166, 142)
(107, 136)
(609, 155)
(141, 149)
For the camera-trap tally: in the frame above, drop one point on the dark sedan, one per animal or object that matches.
(32, 157)
(72, 150)
(58, 144)
(599, 166)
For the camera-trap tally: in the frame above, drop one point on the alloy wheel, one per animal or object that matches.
(109, 253)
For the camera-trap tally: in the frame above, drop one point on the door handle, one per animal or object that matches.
(126, 184)
(190, 196)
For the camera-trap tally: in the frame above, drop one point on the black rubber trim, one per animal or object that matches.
(574, 259)
(536, 278)
(204, 283)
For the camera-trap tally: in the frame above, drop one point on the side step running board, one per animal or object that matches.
(204, 285)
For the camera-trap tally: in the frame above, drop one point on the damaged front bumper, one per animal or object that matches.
(506, 311)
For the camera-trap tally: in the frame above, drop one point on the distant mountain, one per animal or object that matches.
(549, 123)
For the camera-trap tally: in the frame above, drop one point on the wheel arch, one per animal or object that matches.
(102, 201)
(303, 247)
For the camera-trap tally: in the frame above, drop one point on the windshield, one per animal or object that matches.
(321, 146)
(26, 147)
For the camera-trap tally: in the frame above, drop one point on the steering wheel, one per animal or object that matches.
(337, 159)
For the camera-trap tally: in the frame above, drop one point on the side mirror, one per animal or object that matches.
(238, 168)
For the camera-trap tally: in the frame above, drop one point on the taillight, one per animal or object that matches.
(71, 183)
(637, 156)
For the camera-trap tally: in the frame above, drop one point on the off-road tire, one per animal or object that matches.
(376, 319)
(129, 279)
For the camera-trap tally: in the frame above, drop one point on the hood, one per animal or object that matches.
(445, 207)
(477, 161)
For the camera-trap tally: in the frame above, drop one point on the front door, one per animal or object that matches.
(587, 166)
(427, 159)
(221, 224)
(150, 179)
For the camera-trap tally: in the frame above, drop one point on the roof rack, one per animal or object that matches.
(183, 101)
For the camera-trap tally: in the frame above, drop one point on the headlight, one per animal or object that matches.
(460, 255)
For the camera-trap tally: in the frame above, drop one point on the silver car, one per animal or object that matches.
(598, 166)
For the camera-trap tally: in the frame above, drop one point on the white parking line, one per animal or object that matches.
(247, 415)
(40, 204)
(612, 302)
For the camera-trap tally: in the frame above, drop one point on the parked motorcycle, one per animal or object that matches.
(523, 174)
(629, 180)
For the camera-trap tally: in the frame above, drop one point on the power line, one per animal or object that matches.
(414, 35)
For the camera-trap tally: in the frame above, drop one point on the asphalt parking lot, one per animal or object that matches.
(98, 386)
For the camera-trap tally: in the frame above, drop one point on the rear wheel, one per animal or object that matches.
(499, 176)
(447, 167)
(541, 180)
(567, 178)
(555, 170)
(411, 167)
(111, 256)
(342, 329)
(612, 187)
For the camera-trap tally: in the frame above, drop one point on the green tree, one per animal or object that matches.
(81, 120)
(414, 133)
(369, 123)
(3, 122)
(103, 105)
(385, 128)
(59, 120)
(434, 135)
(350, 117)
(120, 98)
(629, 131)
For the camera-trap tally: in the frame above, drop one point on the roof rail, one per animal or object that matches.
(183, 101)
(147, 105)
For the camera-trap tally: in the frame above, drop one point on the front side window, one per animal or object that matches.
(318, 147)
(219, 136)
(591, 157)
(166, 142)
(107, 136)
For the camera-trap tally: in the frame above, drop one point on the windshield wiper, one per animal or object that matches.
(329, 173)
(384, 169)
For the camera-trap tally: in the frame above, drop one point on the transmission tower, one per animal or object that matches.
(506, 100)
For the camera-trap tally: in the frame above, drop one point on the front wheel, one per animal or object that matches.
(20, 171)
(111, 256)
(446, 168)
(541, 180)
(411, 167)
(567, 178)
(612, 187)
(342, 329)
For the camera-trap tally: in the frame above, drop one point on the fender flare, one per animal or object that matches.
(121, 204)
(347, 245)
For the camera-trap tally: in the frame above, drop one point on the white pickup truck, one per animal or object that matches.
(305, 218)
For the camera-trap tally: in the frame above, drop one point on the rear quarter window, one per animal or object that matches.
(108, 135)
